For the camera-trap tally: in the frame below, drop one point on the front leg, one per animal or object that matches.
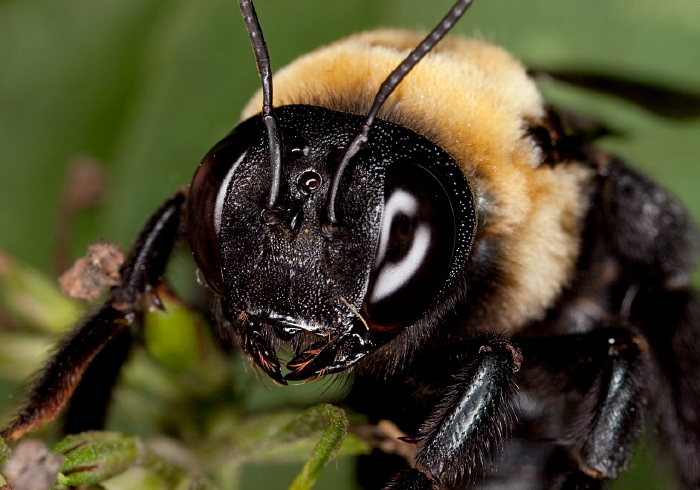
(140, 275)
(467, 427)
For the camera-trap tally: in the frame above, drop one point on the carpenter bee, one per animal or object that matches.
(407, 209)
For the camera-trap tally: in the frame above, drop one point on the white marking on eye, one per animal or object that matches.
(394, 276)
(223, 191)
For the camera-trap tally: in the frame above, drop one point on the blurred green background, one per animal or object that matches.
(148, 86)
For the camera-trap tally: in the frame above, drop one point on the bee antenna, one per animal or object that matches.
(387, 87)
(262, 60)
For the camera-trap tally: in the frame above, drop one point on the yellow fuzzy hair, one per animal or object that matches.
(473, 100)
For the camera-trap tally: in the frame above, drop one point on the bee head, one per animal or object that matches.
(328, 230)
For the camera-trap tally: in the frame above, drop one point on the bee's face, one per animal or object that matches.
(405, 225)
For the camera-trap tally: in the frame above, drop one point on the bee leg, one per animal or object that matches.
(464, 431)
(140, 274)
(611, 366)
(89, 405)
(656, 240)
(617, 411)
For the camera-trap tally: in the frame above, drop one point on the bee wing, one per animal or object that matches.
(662, 100)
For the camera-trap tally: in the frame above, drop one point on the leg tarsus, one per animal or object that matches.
(149, 255)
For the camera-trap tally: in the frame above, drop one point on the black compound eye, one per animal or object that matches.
(415, 248)
(309, 181)
(205, 203)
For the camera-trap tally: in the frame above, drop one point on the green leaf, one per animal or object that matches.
(174, 476)
(92, 457)
(335, 428)
(4, 452)
(34, 298)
